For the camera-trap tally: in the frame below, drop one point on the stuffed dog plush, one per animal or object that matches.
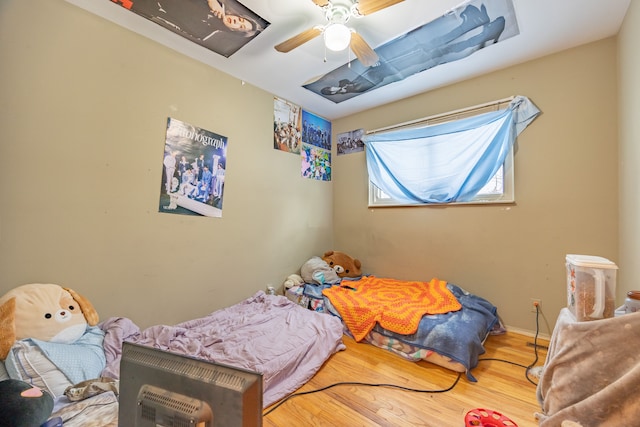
(46, 312)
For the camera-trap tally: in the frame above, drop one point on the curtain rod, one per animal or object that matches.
(439, 116)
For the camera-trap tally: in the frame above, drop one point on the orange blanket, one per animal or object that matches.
(396, 305)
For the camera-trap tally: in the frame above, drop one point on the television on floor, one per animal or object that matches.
(164, 389)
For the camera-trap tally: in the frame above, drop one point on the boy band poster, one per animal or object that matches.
(287, 126)
(316, 147)
(194, 165)
(302, 133)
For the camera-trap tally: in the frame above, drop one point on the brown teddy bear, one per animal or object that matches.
(343, 264)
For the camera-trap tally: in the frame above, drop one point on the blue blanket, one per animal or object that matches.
(83, 360)
(458, 335)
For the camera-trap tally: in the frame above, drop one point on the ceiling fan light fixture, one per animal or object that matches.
(337, 37)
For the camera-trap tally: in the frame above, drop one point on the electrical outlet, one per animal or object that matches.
(536, 302)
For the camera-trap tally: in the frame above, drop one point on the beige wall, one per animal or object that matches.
(566, 190)
(83, 114)
(629, 102)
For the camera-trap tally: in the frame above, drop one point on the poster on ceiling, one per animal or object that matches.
(316, 147)
(222, 26)
(193, 171)
(453, 36)
(287, 126)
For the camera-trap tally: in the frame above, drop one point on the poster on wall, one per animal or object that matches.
(461, 32)
(287, 126)
(316, 163)
(193, 171)
(222, 26)
(350, 142)
(316, 147)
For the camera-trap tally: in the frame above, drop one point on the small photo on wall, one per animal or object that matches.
(350, 142)
(287, 126)
(193, 171)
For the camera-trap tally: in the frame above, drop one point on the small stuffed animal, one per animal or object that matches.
(293, 280)
(317, 271)
(46, 312)
(343, 264)
(23, 404)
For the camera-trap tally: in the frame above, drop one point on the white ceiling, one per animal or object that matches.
(546, 26)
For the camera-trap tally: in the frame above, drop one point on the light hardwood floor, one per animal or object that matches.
(501, 387)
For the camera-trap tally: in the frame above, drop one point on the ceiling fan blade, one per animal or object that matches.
(367, 7)
(363, 51)
(298, 40)
(321, 3)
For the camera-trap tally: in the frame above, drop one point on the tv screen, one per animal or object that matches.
(163, 389)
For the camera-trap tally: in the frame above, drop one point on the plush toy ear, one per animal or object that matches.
(7, 326)
(357, 263)
(89, 312)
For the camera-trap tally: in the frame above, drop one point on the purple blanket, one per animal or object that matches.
(268, 334)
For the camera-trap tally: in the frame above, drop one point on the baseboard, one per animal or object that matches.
(527, 333)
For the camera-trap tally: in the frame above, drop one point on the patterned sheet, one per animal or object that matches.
(100, 410)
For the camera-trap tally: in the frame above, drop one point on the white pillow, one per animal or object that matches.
(26, 362)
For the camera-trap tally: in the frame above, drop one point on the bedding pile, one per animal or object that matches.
(452, 339)
(269, 334)
(394, 304)
(264, 333)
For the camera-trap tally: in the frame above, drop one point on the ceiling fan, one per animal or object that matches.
(337, 36)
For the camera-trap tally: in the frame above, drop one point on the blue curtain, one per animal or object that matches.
(449, 162)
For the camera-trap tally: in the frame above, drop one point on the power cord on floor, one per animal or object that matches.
(535, 350)
(527, 369)
(399, 387)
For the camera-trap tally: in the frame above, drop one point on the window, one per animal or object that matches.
(499, 189)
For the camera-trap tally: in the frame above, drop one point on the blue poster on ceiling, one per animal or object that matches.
(456, 35)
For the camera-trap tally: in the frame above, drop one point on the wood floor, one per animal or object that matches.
(501, 387)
